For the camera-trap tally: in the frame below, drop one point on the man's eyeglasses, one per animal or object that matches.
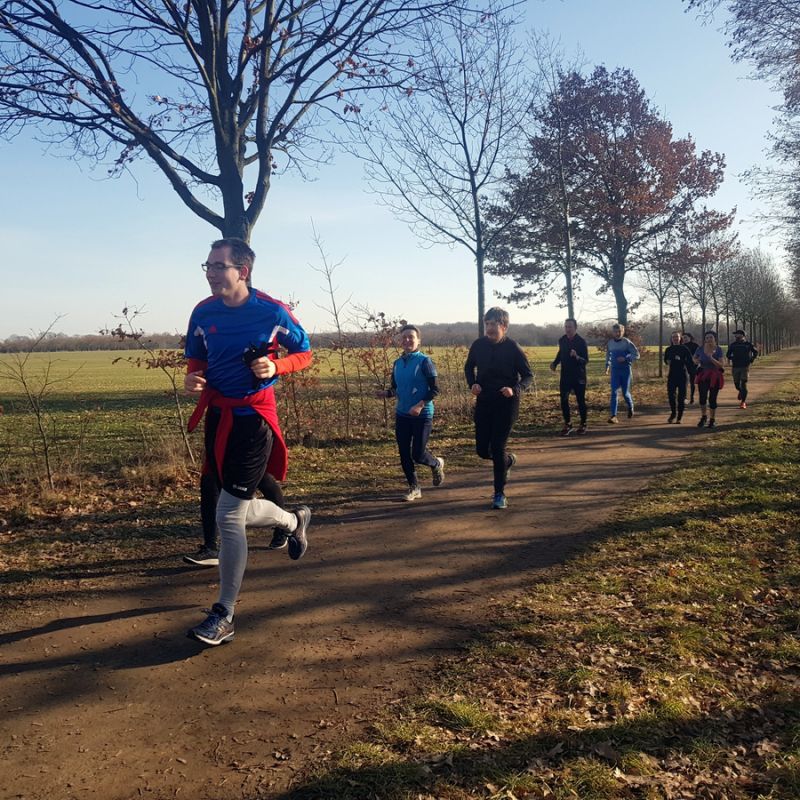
(218, 268)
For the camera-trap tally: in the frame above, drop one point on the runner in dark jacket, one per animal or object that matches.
(681, 366)
(741, 354)
(497, 372)
(688, 341)
(573, 355)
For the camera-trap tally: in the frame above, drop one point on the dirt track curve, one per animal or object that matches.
(108, 699)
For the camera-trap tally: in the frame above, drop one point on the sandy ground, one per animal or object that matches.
(106, 698)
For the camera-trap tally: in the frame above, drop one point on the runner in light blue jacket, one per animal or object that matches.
(621, 353)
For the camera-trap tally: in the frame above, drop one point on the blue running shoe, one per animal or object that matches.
(499, 501)
(215, 629)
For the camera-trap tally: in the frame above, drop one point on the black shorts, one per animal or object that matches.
(246, 454)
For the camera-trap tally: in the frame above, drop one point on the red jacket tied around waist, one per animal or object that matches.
(713, 376)
(263, 403)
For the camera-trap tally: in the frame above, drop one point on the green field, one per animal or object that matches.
(105, 419)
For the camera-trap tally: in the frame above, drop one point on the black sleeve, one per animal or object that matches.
(523, 368)
(469, 366)
(433, 388)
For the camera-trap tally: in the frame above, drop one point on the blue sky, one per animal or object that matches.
(80, 246)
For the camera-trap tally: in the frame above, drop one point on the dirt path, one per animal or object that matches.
(107, 698)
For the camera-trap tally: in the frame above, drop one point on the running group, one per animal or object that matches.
(232, 344)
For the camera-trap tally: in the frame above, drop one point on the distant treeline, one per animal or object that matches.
(433, 334)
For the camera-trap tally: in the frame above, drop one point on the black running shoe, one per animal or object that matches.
(215, 628)
(279, 540)
(298, 543)
(712, 424)
(204, 557)
(702, 422)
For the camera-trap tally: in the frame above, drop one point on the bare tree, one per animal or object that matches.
(660, 279)
(168, 360)
(766, 34)
(36, 388)
(436, 156)
(218, 94)
(335, 310)
(708, 248)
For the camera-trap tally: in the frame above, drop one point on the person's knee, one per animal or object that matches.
(483, 450)
(231, 510)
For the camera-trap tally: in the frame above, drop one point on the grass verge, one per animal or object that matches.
(663, 662)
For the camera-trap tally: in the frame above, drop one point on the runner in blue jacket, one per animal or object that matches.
(414, 384)
(620, 355)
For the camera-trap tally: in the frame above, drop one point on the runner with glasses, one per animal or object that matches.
(231, 345)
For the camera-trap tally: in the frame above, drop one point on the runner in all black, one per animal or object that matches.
(497, 372)
(231, 341)
(688, 341)
(741, 354)
(679, 359)
(573, 355)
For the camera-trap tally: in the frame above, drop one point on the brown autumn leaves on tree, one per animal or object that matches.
(605, 178)
(766, 34)
(218, 94)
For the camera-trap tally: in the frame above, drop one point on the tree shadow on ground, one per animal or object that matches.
(470, 768)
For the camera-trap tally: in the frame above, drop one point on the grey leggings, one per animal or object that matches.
(233, 515)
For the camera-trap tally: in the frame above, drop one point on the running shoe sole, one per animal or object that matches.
(202, 561)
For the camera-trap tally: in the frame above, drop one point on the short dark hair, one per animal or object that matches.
(496, 314)
(409, 327)
(572, 320)
(713, 333)
(241, 252)
(689, 335)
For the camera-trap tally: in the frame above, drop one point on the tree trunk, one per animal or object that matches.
(622, 302)
(569, 291)
(660, 337)
(479, 258)
(617, 274)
